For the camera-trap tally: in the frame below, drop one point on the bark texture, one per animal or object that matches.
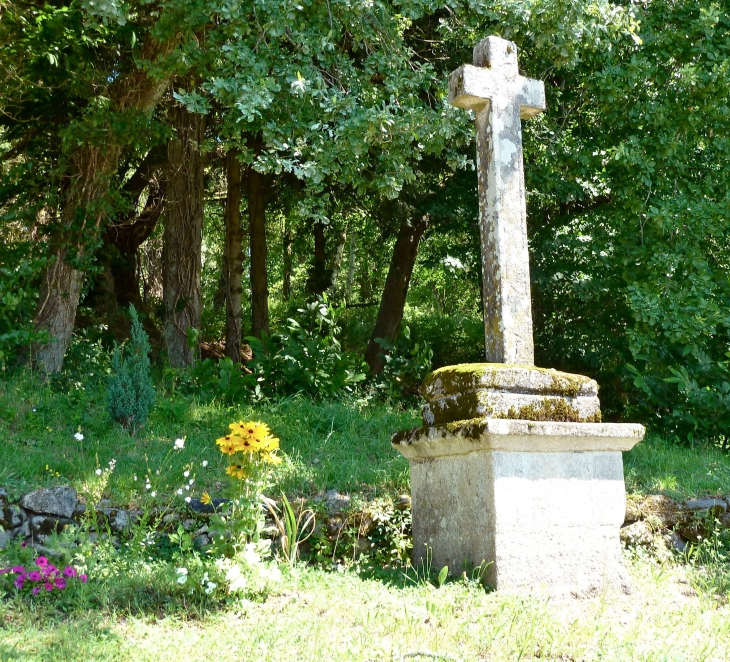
(233, 262)
(286, 241)
(393, 301)
(183, 236)
(87, 182)
(257, 243)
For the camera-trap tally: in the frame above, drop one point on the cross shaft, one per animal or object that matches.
(500, 98)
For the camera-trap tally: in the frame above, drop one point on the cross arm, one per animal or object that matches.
(472, 87)
(532, 97)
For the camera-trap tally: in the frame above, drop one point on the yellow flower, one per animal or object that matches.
(205, 498)
(236, 471)
(270, 458)
(268, 443)
(246, 445)
(227, 444)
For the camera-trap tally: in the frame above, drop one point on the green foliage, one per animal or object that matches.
(210, 379)
(17, 301)
(307, 358)
(130, 391)
(406, 365)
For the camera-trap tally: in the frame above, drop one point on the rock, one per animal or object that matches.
(365, 523)
(60, 501)
(717, 506)
(403, 503)
(667, 511)
(5, 538)
(333, 527)
(189, 524)
(3, 498)
(117, 518)
(11, 517)
(196, 505)
(636, 534)
(675, 542)
(79, 511)
(334, 502)
(633, 512)
(42, 525)
(45, 551)
(202, 540)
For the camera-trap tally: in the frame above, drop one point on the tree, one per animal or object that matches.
(183, 236)
(233, 256)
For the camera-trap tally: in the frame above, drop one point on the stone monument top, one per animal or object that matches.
(500, 98)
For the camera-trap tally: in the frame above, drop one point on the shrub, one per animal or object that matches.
(308, 357)
(131, 394)
(406, 365)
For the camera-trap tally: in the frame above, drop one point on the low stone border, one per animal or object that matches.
(677, 522)
(38, 514)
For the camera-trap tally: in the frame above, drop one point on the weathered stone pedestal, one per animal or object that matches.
(540, 501)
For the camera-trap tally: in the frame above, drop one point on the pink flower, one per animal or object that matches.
(52, 569)
(23, 544)
(36, 590)
(41, 561)
(4, 570)
(60, 583)
(33, 576)
(18, 569)
(84, 578)
(48, 586)
(69, 571)
(19, 582)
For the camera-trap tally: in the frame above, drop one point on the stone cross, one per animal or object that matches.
(500, 98)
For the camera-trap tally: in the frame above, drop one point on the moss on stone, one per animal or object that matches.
(464, 377)
(550, 409)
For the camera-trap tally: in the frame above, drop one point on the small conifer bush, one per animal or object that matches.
(131, 394)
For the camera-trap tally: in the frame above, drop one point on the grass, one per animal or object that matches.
(657, 466)
(678, 610)
(318, 615)
(329, 445)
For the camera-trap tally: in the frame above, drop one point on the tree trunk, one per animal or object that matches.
(183, 235)
(351, 267)
(286, 241)
(319, 279)
(234, 257)
(91, 169)
(56, 312)
(257, 243)
(337, 259)
(393, 301)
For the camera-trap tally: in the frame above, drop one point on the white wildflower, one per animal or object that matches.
(179, 444)
(98, 472)
(153, 494)
(78, 436)
(179, 492)
(205, 463)
(187, 499)
(186, 473)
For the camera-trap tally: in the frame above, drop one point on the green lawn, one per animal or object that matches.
(135, 611)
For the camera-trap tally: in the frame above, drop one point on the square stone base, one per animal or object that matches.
(540, 503)
(542, 521)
